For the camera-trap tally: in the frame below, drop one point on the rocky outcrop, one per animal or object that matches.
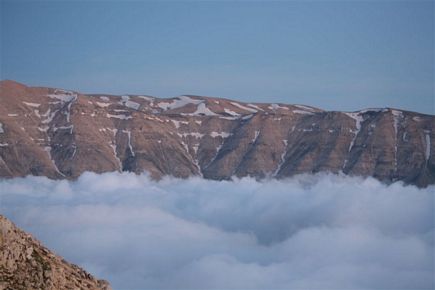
(26, 264)
(61, 134)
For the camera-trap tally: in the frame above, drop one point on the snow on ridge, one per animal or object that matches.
(104, 98)
(305, 108)
(146, 98)
(179, 102)
(240, 106)
(125, 101)
(302, 112)
(376, 110)
(63, 96)
(277, 106)
(255, 107)
(201, 110)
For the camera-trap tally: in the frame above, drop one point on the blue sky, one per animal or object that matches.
(342, 55)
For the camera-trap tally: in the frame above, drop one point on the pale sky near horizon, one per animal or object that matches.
(336, 55)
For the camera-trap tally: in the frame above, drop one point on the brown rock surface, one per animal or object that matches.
(61, 134)
(26, 264)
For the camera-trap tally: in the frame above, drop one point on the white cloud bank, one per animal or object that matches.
(308, 232)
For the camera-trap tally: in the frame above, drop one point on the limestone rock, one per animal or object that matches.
(61, 134)
(26, 264)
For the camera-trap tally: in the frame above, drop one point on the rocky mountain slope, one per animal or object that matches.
(26, 264)
(61, 134)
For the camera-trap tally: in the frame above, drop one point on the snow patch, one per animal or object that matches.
(121, 117)
(232, 113)
(202, 110)
(125, 100)
(43, 129)
(276, 107)
(115, 154)
(305, 108)
(1, 129)
(255, 107)
(34, 105)
(12, 115)
(240, 106)
(358, 120)
(220, 134)
(178, 103)
(192, 134)
(70, 127)
(247, 117)
(103, 105)
(302, 112)
(177, 123)
(104, 98)
(149, 99)
(63, 96)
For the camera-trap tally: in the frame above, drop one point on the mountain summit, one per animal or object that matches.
(61, 134)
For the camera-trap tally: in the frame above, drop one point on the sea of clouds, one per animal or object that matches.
(307, 232)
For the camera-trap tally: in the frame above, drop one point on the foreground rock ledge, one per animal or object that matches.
(26, 264)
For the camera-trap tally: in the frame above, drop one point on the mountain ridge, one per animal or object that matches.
(61, 134)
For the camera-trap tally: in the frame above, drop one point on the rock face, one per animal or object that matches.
(61, 134)
(26, 264)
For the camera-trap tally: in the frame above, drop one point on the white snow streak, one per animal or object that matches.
(35, 105)
(302, 112)
(48, 150)
(122, 117)
(129, 140)
(243, 107)
(221, 134)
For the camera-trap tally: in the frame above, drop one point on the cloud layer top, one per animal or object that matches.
(321, 231)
